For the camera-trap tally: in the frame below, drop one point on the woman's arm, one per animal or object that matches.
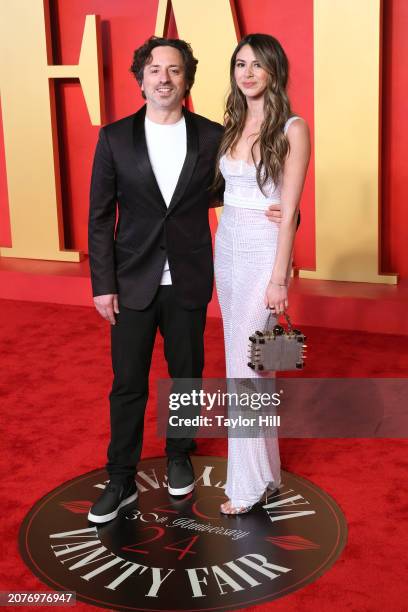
(293, 178)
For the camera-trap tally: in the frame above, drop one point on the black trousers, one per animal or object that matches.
(132, 341)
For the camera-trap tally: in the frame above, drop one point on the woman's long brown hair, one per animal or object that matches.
(273, 144)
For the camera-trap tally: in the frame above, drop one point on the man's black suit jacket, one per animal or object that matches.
(132, 231)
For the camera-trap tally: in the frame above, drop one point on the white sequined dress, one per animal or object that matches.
(245, 250)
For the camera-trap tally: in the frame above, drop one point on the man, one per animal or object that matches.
(153, 267)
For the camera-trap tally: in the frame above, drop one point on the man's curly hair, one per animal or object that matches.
(143, 56)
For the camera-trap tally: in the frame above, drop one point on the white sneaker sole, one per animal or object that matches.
(182, 491)
(104, 518)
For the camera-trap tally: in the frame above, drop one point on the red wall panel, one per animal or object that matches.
(291, 22)
(5, 235)
(395, 138)
(125, 25)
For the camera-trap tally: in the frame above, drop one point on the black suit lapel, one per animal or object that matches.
(143, 165)
(190, 160)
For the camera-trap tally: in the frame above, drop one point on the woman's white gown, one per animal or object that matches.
(245, 249)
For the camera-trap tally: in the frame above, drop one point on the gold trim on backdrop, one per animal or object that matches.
(347, 48)
(30, 129)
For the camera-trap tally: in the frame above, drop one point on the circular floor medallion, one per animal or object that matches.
(163, 553)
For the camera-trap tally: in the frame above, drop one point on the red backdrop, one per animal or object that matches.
(126, 24)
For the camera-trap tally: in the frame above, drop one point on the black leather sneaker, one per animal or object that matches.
(115, 496)
(180, 476)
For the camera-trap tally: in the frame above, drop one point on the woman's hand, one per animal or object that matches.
(276, 298)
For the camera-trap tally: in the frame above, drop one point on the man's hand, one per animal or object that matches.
(107, 306)
(274, 213)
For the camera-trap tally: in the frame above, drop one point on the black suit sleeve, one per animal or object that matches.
(102, 219)
(217, 197)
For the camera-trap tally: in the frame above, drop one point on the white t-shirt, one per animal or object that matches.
(167, 148)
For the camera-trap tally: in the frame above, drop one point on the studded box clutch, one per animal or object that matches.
(277, 349)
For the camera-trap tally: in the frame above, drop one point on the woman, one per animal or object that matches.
(263, 158)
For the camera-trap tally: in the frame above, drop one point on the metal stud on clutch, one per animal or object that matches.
(277, 349)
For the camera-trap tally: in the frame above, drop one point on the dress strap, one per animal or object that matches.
(289, 121)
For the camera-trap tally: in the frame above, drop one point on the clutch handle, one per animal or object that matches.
(277, 316)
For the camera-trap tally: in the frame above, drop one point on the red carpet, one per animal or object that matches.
(55, 377)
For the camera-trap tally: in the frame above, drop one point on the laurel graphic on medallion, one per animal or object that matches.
(293, 542)
(77, 507)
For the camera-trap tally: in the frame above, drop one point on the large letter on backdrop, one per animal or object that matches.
(347, 47)
(29, 124)
(211, 29)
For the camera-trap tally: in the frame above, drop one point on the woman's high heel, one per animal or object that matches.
(226, 507)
